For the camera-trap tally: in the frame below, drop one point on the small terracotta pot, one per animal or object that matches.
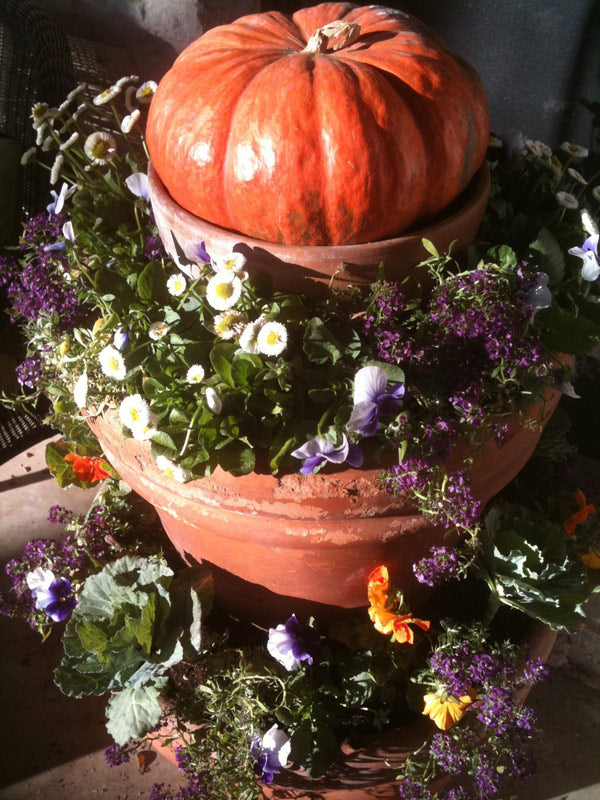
(275, 541)
(367, 773)
(309, 269)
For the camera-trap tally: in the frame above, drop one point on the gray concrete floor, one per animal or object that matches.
(53, 746)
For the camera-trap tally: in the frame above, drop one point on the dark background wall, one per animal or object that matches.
(536, 58)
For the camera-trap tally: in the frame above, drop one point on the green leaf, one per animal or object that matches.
(549, 256)
(221, 357)
(132, 713)
(151, 282)
(430, 247)
(244, 368)
(566, 333)
(320, 345)
(237, 459)
(144, 630)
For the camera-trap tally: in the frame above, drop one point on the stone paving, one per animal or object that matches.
(54, 745)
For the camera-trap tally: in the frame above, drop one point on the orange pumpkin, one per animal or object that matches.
(300, 131)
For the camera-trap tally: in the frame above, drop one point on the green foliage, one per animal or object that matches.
(531, 566)
(134, 620)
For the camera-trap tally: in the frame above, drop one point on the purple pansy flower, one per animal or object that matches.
(201, 253)
(318, 450)
(539, 295)
(371, 399)
(121, 339)
(137, 183)
(68, 233)
(271, 752)
(58, 200)
(590, 270)
(52, 595)
(292, 643)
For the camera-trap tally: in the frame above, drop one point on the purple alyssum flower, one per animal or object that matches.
(271, 752)
(371, 399)
(318, 451)
(588, 253)
(291, 643)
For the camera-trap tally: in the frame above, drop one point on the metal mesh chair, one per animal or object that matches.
(38, 63)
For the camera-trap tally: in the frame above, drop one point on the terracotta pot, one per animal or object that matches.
(368, 773)
(309, 269)
(274, 541)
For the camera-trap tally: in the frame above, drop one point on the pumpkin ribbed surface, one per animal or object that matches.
(252, 131)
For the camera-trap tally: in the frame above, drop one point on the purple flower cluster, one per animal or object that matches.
(38, 286)
(486, 778)
(412, 790)
(441, 565)
(488, 307)
(496, 709)
(153, 248)
(115, 755)
(29, 372)
(458, 506)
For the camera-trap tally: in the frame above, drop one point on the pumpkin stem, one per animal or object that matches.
(333, 36)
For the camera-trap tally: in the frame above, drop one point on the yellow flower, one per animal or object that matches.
(444, 709)
(98, 325)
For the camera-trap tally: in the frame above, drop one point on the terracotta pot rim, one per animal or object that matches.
(472, 196)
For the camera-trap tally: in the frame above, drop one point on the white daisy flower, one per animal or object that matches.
(223, 291)
(575, 150)
(213, 401)
(234, 262)
(100, 148)
(80, 390)
(70, 141)
(588, 222)
(56, 168)
(112, 363)
(78, 112)
(134, 412)
(272, 339)
(554, 165)
(229, 324)
(107, 95)
(127, 79)
(38, 112)
(538, 149)
(596, 193)
(27, 156)
(39, 136)
(47, 143)
(195, 374)
(144, 432)
(157, 330)
(248, 338)
(129, 94)
(171, 469)
(77, 90)
(567, 200)
(577, 176)
(145, 92)
(128, 122)
(176, 285)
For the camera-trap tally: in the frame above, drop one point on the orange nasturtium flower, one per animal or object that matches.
(87, 469)
(591, 559)
(383, 611)
(446, 710)
(582, 513)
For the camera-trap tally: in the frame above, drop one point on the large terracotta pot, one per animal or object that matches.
(275, 541)
(367, 773)
(308, 269)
